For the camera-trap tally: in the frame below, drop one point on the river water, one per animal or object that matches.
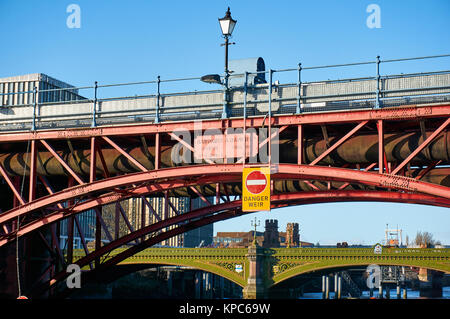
(411, 294)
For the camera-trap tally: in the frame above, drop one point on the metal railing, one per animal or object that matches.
(50, 107)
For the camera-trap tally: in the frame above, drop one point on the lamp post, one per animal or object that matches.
(255, 224)
(227, 25)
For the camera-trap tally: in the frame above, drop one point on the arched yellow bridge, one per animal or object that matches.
(256, 269)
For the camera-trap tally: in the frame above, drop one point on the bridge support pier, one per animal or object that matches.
(430, 283)
(207, 278)
(256, 285)
(325, 287)
(335, 286)
(198, 284)
(339, 287)
(169, 282)
(8, 279)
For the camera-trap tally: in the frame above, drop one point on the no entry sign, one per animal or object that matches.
(255, 189)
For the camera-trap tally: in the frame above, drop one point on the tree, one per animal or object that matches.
(425, 239)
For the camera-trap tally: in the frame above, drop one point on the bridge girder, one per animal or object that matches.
(441, 194)
(40, 210)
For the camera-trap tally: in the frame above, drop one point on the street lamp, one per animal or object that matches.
(227, 25)
(255, 224)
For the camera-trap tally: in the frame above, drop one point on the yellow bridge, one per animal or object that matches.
(256, 269)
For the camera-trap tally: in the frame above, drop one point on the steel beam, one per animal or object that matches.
(124, 153)
(381, 153)
(70, 227)
(157, 151)
(421, 147)
(80, 231)
(102, 160)
(302, 172)
(368, 168)
(33, 179)
(93, 161)
(338, 143)
(102, 223)
(347, 116)
(62, 162)
(150, 208)
(428, 169)
(11, 185)
(204, 199)
(188, 146)
(299, 198)
(300, 159)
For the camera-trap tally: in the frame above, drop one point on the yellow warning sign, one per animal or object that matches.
(255, 189)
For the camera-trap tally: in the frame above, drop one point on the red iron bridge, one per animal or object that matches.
(382, 138)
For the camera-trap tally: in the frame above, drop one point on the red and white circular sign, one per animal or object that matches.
(256, 182)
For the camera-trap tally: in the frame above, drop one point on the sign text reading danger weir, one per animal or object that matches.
(255, 189)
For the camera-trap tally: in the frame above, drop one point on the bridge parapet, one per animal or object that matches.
(318, 96)
(289, 252)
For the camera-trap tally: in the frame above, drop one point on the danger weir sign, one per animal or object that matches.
(255, 189)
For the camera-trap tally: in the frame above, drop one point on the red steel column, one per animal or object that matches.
(16, 202)
(157, 151)
(116, 221)
(217, 193)
(70, 224)
(32, 184)
(380, 146)
(143, 216)
(93, 161)
(166, 209)
(92, 177)
(300, 144)
(98, 236)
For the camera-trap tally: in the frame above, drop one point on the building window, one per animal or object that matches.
(10, 90)
(21, 89)
(46, 94)
(1, 96)
(41, 94)
(30, 92)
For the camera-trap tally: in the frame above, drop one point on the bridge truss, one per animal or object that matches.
(396, 154)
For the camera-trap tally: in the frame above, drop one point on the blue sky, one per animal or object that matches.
(124, 41)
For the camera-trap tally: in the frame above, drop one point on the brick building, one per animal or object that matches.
(270, 238)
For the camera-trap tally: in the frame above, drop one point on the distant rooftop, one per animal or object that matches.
(36, 77)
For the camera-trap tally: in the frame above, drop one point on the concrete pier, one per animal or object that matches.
(339, 287)
(323, 287)
(430, 283)
(255, 288)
